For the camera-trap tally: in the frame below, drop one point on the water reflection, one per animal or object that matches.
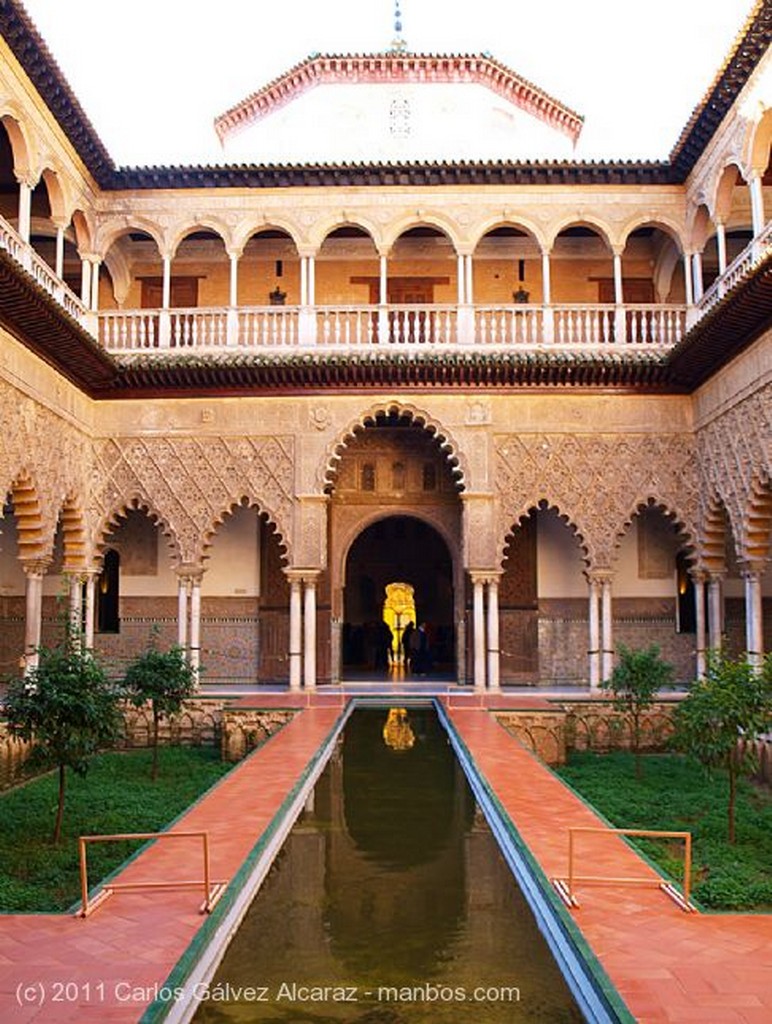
(390, 881)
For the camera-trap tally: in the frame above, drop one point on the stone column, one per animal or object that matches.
(311, 281)
(478, 627)
(304, 280)
(607, 627)
(494, 672)
(594, 624)
(698, 580)
(59, 263)
(715, 610)
(295, 625)
(697, 270)
(721, 246)
(183, 597)
(195, 625)
(754, 632)
(548, 316)
(688, 279)
(166, 291)
(95, 265)
(85, 282)
(757, 203)
(309, 631)
(460, 280)
(383, 280)
(34, 571)
(468, 280)
(233, 296)
(75, 602)
(25, 209)
(90, 620)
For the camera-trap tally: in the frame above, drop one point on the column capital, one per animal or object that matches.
(25, 177)
(599, 576)
(485, 575)
(189, 572)
(751, 570)
(698, 574)
(35, 566)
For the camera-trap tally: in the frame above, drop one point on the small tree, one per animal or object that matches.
(635, 682)
(166, 680)
(732, 703)
(68, 708)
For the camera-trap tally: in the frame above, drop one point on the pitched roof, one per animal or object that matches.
(399, 68)
(748, 48)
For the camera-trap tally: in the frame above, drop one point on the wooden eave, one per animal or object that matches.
(31, 316)
(733, 324)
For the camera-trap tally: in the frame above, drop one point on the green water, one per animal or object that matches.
(389, 904)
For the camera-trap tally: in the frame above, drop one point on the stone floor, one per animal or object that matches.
(668, 966)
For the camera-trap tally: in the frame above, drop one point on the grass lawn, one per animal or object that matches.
(674, 794)
(116, 795)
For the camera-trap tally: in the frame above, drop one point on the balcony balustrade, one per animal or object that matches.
(567, 326)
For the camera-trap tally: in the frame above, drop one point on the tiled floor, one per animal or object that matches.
(668, 966)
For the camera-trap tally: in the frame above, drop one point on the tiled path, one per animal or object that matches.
(668, 966)
(112, 961)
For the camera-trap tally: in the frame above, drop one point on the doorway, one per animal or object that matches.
(398, 570)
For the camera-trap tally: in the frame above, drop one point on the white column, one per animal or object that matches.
(85, 282)
(294, 632)
(90, 621)
(233, 299)
(94, 305)
(304, 280)
(721, 247)
(309, 634)
(25, 210)
(59, 267)
(468, 280)
(715, 610)
(697, 270)
(195, 626)
(183, 593)
(478, 626)
(688, 279)
(383, 283)
(754, 633)
(618, 292)
(311, 281)
(546, 281)
(607, 629)
(34, 573)
(460, 280)
(494, 675)
(698, 581)
(166, 293)
(594, 623)
(757, 204)
(75, 603)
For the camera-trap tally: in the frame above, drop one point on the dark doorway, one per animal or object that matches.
(405, 549)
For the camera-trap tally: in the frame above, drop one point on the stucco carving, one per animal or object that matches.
(735, 458)
(191, 483)
(597, 481)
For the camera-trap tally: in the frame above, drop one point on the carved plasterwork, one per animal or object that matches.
(735, 458)
(597, 481)
(50, 455)
(191, 483)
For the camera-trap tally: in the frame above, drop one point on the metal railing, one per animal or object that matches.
(212, 891)
(565, 886)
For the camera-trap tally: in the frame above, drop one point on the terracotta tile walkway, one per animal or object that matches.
(56, 968)
(668, 966)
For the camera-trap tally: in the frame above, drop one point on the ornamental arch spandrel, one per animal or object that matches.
(595, 480)
(191, 481)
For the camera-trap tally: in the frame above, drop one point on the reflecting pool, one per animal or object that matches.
(390, 902)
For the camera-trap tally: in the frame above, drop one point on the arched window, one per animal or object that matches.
(368, 477)
(398, 476)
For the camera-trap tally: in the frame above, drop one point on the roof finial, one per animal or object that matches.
(398, 44)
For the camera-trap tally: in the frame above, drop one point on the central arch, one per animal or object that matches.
(398, 548)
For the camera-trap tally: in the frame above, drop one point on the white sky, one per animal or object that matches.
(153, 74)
